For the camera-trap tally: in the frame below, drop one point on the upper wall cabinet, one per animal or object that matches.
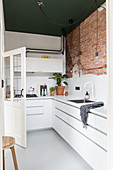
(37, 64)
(44, 65)
(48, 65)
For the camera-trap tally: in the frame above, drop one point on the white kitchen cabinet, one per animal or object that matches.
(49, 65)
(90, 143)
(96, 121)
(38, 64)
(34, 122)
(38, 114)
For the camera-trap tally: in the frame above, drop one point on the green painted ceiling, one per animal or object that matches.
(25, 15)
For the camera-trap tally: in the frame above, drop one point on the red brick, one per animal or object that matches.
(88, 42)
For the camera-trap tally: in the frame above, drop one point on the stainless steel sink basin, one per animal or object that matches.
(81, 101)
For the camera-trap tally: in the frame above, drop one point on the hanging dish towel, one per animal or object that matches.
(85, 109)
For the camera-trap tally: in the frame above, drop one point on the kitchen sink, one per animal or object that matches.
(81, 101)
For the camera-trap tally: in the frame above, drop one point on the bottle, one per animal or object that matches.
(87, 96)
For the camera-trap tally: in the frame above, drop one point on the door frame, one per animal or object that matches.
(1, 78)
(110, 81)
(109, 19)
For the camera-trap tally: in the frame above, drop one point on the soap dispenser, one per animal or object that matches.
(87, 96)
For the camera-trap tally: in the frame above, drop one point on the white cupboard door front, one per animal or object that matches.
(15, 94)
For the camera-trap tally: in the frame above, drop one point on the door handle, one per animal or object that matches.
(22, 93)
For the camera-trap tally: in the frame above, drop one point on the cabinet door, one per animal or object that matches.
(15, 94)
(44, 65)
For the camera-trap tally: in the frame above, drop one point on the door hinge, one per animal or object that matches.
(2, 83)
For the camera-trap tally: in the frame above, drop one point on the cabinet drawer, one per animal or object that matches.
(94, 135)
(32, 103)
(34, 122)
(34, 110)
(69, 109)
(98, 122)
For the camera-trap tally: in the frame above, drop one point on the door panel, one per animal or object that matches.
(15, 98)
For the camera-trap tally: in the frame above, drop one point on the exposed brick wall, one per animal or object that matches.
(90, 63)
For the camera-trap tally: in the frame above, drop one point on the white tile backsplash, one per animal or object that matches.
(99, 82)
(34, 81)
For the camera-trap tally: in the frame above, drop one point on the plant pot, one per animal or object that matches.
(60, 90)
(52, 93)
(66, 94)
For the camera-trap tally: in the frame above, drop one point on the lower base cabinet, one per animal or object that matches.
(90, 143)
(38, 114)
(92, 153)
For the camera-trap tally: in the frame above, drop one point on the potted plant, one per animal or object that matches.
(59, 80)
(66, 93)
(52, 91)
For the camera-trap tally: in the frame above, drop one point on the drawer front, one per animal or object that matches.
(69, 109)
(98, 122)
(34, 122)
(32, 103)
(34, 110)
(94, 135)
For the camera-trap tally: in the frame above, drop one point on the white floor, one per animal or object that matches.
(46, 151)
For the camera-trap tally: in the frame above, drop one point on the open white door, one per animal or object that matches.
(15, 94)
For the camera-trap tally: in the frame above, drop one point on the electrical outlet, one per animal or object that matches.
(77, 88)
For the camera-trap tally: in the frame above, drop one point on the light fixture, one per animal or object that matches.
(62, 30)
(41, 3)
(70, 21)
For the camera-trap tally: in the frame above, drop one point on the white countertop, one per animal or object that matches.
(99, 111)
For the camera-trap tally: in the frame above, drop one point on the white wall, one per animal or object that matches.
(110, 81)
(16, 39)
(99, 82)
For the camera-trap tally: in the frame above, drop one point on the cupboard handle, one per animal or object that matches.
(22, 93)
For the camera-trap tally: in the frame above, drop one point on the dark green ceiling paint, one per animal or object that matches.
(25, 15)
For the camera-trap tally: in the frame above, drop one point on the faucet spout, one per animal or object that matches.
(92, 87)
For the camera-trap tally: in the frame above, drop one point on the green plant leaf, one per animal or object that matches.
(52, 77)
(59, 78)
(65, 83)
(65, 76)
(52, 88)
